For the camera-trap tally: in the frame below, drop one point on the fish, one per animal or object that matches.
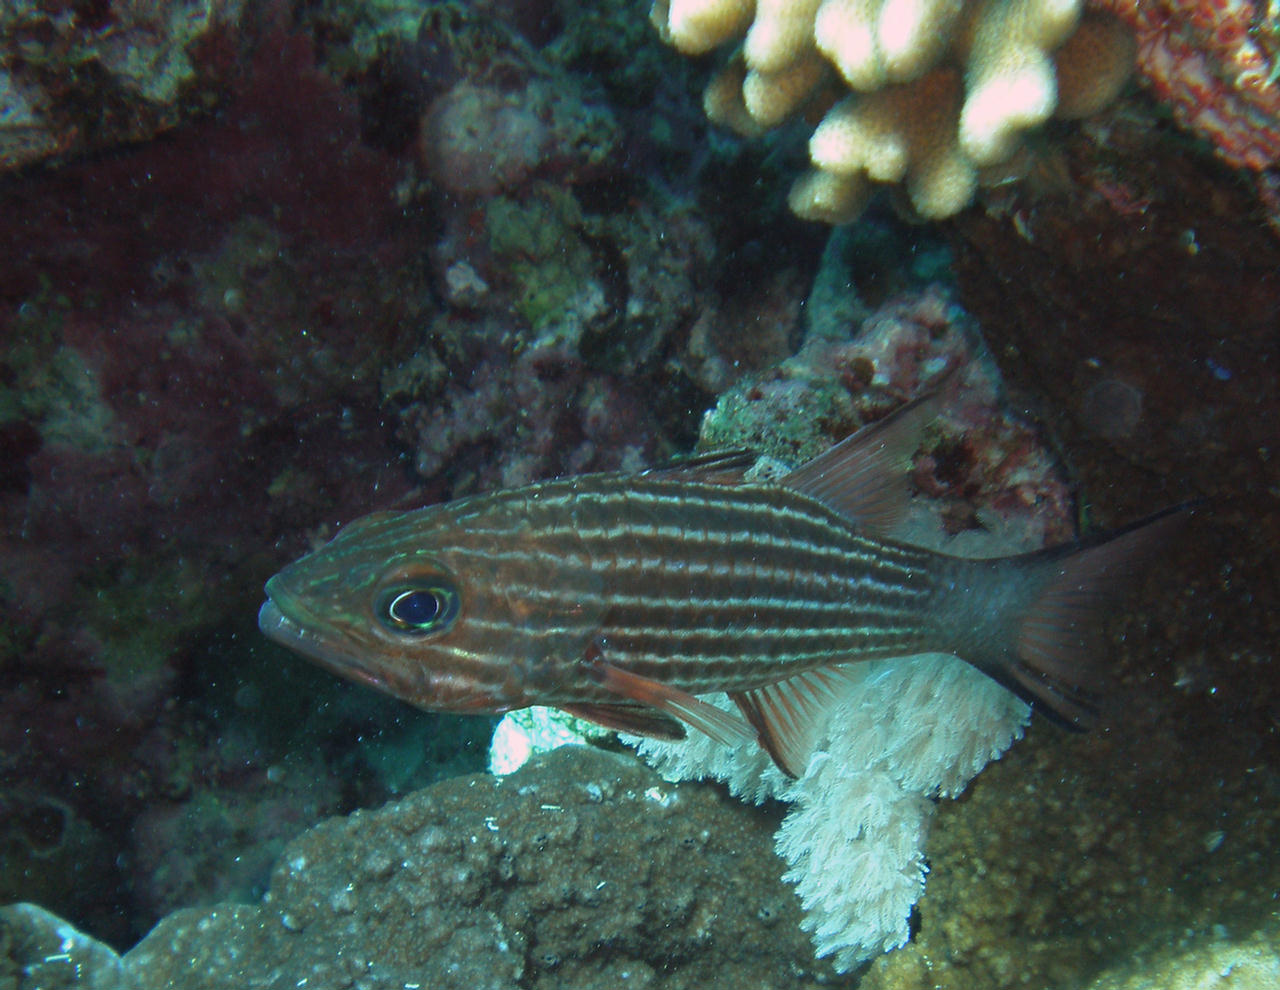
(623, 597)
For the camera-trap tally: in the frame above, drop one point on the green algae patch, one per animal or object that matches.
(785, 415)
(541, 244)
(53, 385)
(142, 615)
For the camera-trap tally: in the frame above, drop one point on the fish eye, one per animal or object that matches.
(418, 609)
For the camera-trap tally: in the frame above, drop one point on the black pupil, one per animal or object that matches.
(415, 608)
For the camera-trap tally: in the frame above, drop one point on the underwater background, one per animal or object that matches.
(266, 267)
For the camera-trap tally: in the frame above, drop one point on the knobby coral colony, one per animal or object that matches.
(933, 94)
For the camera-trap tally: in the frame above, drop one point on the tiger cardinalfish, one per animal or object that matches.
(622, 597)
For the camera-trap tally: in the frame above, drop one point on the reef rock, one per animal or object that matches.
(582, 870)
(40, 950)
(78, 77)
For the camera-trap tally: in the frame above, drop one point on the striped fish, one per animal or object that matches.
(621, 597)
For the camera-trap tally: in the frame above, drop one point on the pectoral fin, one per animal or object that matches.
(635, 719)
(715, 722)
(790, 714)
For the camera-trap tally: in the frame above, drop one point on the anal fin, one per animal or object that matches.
(789, 714)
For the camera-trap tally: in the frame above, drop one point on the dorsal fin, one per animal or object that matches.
(864, 476)
(365, 522)
(789, 714)
(722, 467)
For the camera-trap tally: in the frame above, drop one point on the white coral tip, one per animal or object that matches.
(995, 112)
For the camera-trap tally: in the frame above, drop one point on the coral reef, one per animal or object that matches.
(510, 118)
(526, 732)
(489, 400)
(989, 470)
(1070, 857)
(941, 90)
(162, 427)
(1216, 65)
(1146, 423)
(567, 417)
(907, 731)
(1217, 963)
(44, 843)
(218, 346)
(42, 951)
(1127, 846)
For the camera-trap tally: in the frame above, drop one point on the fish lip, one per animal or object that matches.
(277, 626)
(280, 627)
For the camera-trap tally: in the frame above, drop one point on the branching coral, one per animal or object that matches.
(941, 89)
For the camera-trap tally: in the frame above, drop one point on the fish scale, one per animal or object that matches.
(785, 599)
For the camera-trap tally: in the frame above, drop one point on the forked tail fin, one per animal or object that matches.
(1042, 634)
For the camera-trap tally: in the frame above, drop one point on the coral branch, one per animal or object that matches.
(942, 89)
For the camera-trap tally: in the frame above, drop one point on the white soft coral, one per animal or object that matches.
(902, 732)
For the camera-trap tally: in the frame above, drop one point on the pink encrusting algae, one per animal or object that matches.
(1214, 62)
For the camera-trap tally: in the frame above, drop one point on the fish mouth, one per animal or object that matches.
(278, 627)
(300, 635)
